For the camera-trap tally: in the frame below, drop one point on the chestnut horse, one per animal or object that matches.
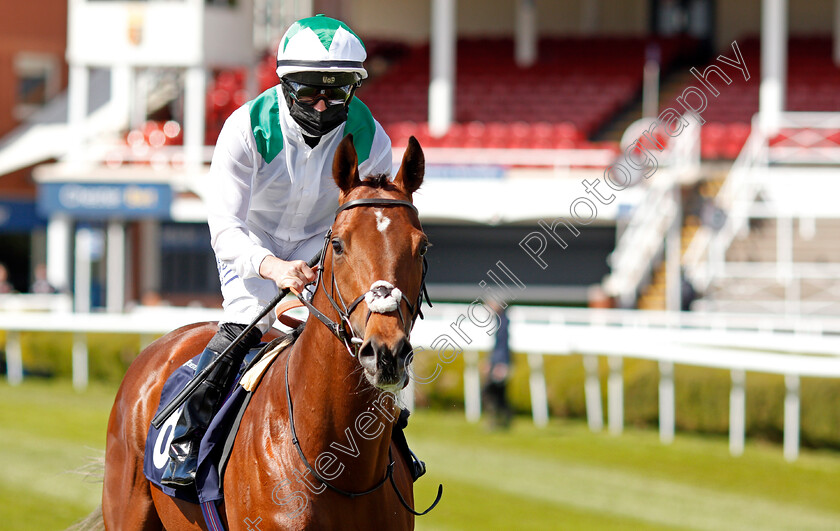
(341, 381)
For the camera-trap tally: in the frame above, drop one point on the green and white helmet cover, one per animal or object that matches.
(320, 44)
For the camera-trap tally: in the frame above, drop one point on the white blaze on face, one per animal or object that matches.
(382, 221)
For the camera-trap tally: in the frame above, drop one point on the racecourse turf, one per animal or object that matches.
(559, 477)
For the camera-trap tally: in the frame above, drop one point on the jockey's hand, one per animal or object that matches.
(294, 275)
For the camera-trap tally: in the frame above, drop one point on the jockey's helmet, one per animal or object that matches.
(320, 44)
(320, 58)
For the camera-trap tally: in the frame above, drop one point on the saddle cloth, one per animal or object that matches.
(215, 445)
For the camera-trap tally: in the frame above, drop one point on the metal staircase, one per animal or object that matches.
(641, 246)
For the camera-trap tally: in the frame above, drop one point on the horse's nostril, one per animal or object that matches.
(366, 350)
(402, 349)
(368, 355)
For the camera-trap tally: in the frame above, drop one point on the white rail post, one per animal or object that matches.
(80, 360)
(539, 396)
(592, 393)
(14, 358)
(666, 402)
(472, 387)
(791, 448)
(615, 394)
(737, 412)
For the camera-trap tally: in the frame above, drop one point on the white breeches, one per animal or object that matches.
(244, 299)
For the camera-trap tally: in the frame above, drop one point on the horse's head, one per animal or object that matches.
(375, 254)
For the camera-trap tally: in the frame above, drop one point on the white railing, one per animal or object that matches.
(810, 288)
(147, 324)
(815, 142)
(705, 255)
(35, 302)
(737, 342)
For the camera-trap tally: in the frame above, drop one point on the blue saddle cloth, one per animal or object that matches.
(208, 480)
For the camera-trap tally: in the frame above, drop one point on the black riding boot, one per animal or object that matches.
(204, 402)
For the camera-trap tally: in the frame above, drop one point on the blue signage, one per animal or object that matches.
(105, 200)
(19, 216)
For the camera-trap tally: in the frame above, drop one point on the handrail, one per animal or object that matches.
(641, 242)
(705, 254)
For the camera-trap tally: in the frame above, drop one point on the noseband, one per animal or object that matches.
(379, 298)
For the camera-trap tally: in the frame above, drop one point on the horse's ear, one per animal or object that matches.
(412, 169)
(346, 165)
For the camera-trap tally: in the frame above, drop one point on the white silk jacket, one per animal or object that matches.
(268, 189)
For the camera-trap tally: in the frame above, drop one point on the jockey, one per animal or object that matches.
(271, 199)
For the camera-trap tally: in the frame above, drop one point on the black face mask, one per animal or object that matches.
(317, 123)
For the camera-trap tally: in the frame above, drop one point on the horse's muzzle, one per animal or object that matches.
(384, 364)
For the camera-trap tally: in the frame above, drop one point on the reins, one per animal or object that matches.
(350, 339)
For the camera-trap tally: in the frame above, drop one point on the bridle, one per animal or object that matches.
(343, 329)
(350, 340)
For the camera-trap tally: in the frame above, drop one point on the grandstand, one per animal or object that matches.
(540, 121)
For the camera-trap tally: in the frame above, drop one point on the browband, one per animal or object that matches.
(376, 202)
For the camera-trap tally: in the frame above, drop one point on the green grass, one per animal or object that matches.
(48, 432)
(564, 477)
(560, 477)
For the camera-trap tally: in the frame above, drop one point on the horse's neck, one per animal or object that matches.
(337, 411)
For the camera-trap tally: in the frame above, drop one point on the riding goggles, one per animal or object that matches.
(310, 94)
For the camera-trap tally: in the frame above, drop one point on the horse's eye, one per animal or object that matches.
(423, 248)
(338, 248)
